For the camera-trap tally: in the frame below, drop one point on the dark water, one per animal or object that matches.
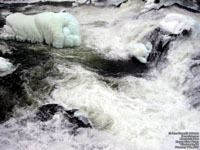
(28, 84)
(33, 66)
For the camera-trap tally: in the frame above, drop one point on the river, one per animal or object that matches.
(131, 105)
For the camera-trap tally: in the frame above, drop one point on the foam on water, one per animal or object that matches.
(138, 110)
(141, 110)
(53, 135)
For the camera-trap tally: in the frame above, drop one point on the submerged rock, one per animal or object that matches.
(160, 41)
(74, 116)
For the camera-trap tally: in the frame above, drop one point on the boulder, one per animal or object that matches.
(160, 41)
(191, 5)
(74, 116)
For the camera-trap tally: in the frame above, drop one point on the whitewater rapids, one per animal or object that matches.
(127, 112)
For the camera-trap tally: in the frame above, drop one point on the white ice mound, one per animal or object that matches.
(140, 51)
(5, 65)
(56, 29)
(177, 23)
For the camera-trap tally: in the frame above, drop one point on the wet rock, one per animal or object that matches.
(2, 20)
(160, 41)
(190, 5)
(104, 3)
(116, 3)
(172, 27)
(74, 116)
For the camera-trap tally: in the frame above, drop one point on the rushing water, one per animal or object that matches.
(132, 106)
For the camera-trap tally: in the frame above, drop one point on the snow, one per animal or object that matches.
(56, 29)
(140, 51)
(5, 65)
(176, 23)
(150, 4)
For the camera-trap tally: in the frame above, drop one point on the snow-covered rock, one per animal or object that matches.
(5, 65)
(56, 29)
(177, 23)
(151, 4)
(192, 5)
(140, 51)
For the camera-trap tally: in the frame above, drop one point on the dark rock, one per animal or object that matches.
(118, 4)
(190, 5)
(104, 3)
(160, 44)
(157, 1)
(2, 21)
(161, 41)
(46, 112)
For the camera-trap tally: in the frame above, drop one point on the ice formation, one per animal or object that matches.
(56, 29)
(140, 51)
(177, 23)
(5, 65)
(150, 4)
